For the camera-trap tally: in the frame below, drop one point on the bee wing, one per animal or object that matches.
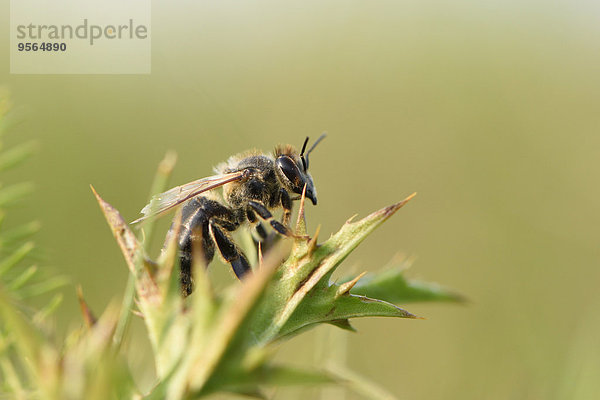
(163, 202)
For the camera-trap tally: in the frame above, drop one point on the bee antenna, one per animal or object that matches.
(304, 160)
(304, 147)
(311, 149)
(314, 145)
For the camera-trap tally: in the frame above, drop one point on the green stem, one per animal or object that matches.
(125, 315)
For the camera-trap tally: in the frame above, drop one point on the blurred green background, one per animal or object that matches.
(489, 110)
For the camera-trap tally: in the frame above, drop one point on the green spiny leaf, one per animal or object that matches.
(353, 233)
(308, 270)
(391, 285)
(322, 306)
(343, 324)
(233, 322)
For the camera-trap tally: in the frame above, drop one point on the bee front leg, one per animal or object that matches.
(286, 204)
(228, 249)
(265, 214)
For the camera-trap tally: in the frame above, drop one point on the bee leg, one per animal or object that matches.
(268, 240)
(265, 214)
(262, 232)
(262, 237)
(197, 215)
(230, 252)
(286, 203)
(187, 241)
(259, 227)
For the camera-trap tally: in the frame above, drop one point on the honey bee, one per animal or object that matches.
(254, 185)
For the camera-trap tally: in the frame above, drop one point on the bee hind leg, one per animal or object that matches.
(187, 240)
(228, 249)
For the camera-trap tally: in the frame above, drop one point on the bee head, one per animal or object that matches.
(292, 169)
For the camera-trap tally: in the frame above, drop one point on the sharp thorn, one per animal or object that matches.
(312, 244)
(346, 287)
(301, 223)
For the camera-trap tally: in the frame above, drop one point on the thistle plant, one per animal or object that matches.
(222, 342)
(211, 341)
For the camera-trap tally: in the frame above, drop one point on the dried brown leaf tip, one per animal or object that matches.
(120, 229)
(132, 251)
(387, 212)
(88, 317)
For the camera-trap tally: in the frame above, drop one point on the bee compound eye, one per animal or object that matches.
(291, 171)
